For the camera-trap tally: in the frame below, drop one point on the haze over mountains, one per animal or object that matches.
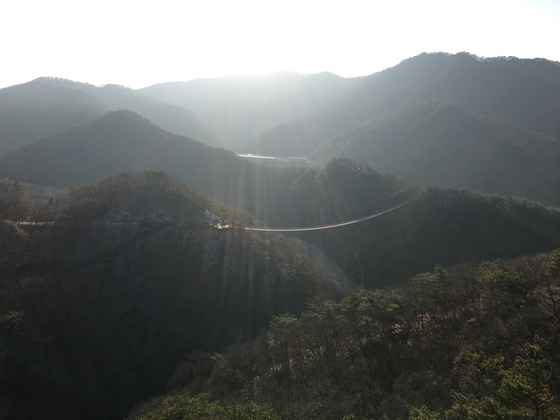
(118, 140)
(522, 91)
(369, 123)
(48, 105)
(143, 252)
(434, 119)
(242, 107)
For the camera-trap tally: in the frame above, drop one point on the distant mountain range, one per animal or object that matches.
(242, 107)
(123, 140)
(118, 140)
(490, 125)
(443, 227)
(47, 106)
(440, 144)
(438, 119)
(115, 279)
(525, 92)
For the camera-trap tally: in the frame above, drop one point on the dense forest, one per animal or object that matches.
(407, 267)
(105, 289)
(472, 341)
(124, 288)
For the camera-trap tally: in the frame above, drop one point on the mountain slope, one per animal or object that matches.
(39, 108)
(47, 90)
(476, 341)
(173, 118)
(241, 107)
(439, 144)
(524, 91)
(122, 140)
(436, 226)
(46, 106)
(437, 119)
(439, 227)
(117, 141)
(99, 306)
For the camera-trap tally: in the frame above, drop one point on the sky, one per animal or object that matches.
(140, 43)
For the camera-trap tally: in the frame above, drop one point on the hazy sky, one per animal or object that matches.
(138, 43)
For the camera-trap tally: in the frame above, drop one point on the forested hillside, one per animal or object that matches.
(121, 289)
(439, 227)
(410, 269)
(442, 119)
(439, 144)
(474, 341)
(119, 140)
(103, 291)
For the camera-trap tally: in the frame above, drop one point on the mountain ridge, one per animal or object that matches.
(241, 106)
(523, 94)
(124, 134)
(433, 77)
(47, 106)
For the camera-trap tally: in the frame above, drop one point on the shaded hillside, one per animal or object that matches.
(438, 144)
(387, 122)
(47, 105)
(99, 306)
(440, 227)
(475, 341)
(523, 91)
(173, 118)
(526, 92)
(117, 141)
(123, 140)
(39, 108)
(241, 107)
